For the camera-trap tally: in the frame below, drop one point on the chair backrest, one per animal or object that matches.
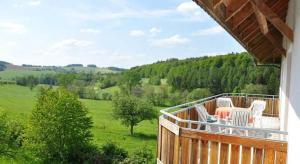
(202, 113)
(257, 107)
(224, 102)
(240, 117)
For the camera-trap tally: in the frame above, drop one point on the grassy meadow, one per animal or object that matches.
(19, 101)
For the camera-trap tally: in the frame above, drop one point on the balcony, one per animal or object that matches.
(182, 138)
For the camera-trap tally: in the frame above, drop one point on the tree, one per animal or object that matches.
(131, 110)
(131, 79)
(59, 128)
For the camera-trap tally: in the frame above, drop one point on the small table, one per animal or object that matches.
(223, 112)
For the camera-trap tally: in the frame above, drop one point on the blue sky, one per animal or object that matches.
(121, 33)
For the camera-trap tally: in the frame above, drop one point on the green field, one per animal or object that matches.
(19, 101)
(11, 74)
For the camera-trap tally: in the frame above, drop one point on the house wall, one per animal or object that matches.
(290, 84)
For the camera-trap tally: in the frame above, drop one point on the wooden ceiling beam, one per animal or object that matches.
(245, 13)
(263, 25)
(235, 7)
(273, 18)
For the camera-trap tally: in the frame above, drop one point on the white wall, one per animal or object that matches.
(290, 84)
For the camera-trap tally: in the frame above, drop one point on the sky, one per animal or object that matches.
(122, 33)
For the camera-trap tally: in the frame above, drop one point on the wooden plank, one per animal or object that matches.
(159, 138)
(169, 125)
(269, 157)
(176, 149)
(204, 152)
(238, 140)
(164, 143)
(273, 18)
(280, 157)
(263, 24)
(246, 12)
(171, 141)
(257, 156)
(185, 150)
(235, 7)
(235, 154)
(246, 156)
(214, 152)
(195, 151)
(224, 153)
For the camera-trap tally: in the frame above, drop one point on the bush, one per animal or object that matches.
(11, 135)
(59, 128)
(112, 154)
(142, 156)
(175, 99)
(154, 80)
(199, 93)
(255, 89)
(106, 96)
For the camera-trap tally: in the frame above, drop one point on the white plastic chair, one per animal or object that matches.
(203, 117)
(224, 102)
(257, 107)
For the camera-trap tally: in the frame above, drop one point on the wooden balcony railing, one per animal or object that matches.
(181, 141)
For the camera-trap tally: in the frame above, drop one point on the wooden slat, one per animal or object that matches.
(176, 149)
(235, 152)
(269, 157)
(164, 144)
(195, 151)
(185, 150)
(246, 155)
(159, 138)
(204, 152)
(224, 153)
(171, 148)
(280, 157)
(257, 156)
(238, 140)
(214, 152)
(235, 6)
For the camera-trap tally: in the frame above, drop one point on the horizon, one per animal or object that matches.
(116, 33)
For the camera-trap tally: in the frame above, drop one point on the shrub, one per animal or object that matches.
(106, 96)
(112, 154)
(11, 135)
(142, 156)
(199, 93)
(59, 128)
(255, 89)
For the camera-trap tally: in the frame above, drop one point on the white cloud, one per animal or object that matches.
(137, 33)
(154, 30)
(24, 3)
(171, 41)
(210, 31)
(187, 7)
(34, 2)
(90, 30)
(12, 27)
(71, 43)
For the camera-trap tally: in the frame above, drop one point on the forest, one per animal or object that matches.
(235, 72)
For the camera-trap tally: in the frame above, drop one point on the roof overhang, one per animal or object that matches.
(258, 25)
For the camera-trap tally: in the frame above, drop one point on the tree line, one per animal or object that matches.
(233, 72)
